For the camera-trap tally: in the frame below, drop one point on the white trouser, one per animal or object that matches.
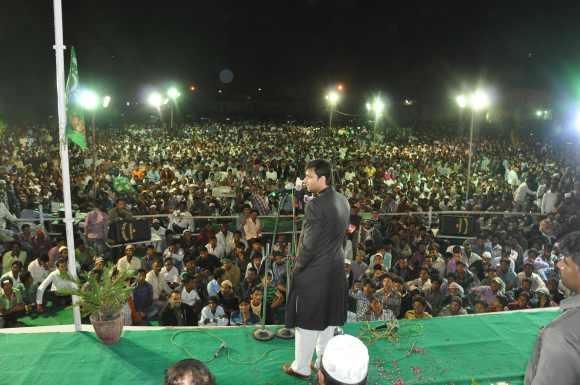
(306, 342)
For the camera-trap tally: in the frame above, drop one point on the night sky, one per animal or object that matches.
(291, 49)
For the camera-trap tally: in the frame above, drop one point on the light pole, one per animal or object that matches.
(477, 101)
(155, 100)
(90, 101)
(173, 94)
(332, 98)
(376, 107)
(461, 101)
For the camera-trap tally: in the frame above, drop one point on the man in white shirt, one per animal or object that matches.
(58, 280)
(158, 235)
(550, 200)
(128, 262)
(214, 248)
(181, 219)
(14, 273)
(469, 256)
(521, 195)
(175, 252)
(170, 275)
(271, 175)
(160, 288)
(189, 295)
(39, 269)
(528, 272)
(190, 298)
(512, 177)
(225, 239)
(253, 227)
(213, 314)
(5, 214)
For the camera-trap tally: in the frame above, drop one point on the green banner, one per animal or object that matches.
(75, 125)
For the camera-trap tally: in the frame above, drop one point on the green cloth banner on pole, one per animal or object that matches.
(75, 127)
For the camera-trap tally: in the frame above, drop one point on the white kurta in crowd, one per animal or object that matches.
(158, 283)
(123, 264)
(216, 319)
(189, 298)
(57, 281)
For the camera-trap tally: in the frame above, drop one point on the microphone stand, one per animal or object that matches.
(261, 333)
(284, 332)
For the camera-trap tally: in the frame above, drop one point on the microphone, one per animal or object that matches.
(388, 325)
(222, 347)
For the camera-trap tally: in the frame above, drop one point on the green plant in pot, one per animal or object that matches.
(102, 298)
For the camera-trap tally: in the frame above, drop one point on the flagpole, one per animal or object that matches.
(63, 141)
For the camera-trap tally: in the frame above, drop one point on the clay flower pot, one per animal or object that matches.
(108, 330)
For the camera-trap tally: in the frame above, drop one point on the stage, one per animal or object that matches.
(470, 350)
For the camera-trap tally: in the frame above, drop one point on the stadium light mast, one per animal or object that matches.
(90, 101)
(377, 108)
(332, 99)
(155, 100)
(173, 94)
(477, 101)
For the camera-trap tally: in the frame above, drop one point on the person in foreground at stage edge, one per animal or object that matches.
(319, 272)
(555, 357)
(345, 362)
(189, 372)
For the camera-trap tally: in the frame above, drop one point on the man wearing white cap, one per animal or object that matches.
(129, 261)
(345, 362)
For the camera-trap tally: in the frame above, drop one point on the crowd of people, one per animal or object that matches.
(213, 273)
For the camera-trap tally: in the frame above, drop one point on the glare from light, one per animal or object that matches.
(332, 98)
(408, 102)
(340, 87)
(173, 93)
(378, 107)
(539, 113)
(155, 100)
(479, 100)
(192, 88)
(220, 91)
(577, 122)
(128, 104)
(461, 101)
(165, 101)
(106, 101)
(89, 100)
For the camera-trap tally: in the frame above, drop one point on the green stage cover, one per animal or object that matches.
(450, 350)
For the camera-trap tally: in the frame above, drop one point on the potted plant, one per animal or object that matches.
(102, 297)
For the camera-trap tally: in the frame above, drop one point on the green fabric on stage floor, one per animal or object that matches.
(49, 318)
(452, 350)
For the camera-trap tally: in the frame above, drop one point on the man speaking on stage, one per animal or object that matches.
(317, 302)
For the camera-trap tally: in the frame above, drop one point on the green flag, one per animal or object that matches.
(75, 125)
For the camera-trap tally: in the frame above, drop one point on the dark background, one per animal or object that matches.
(293, 50)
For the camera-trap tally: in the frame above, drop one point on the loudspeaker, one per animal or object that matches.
(458, 225)
(130, 231)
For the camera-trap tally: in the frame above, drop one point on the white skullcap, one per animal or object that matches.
(346, 359)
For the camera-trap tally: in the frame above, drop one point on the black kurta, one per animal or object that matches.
(318, 295)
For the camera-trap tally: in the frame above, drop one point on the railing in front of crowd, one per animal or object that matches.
(431, 219)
